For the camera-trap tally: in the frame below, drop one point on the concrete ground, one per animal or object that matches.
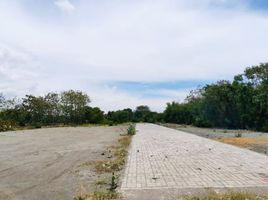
(165, 163)
(47, 163)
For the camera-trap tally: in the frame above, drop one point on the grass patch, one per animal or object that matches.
(228, 196)
(244, 141)
(106, 195)
(116, 164)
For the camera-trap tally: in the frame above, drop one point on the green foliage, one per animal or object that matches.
(69, 107)
(113, 184)
(131, 129)
(93, 115)
(6, 125)
(36, 125)
(141, 114)
(73, 104)
(238, 135)
(121, 116)
(242, 103)
(238, 104)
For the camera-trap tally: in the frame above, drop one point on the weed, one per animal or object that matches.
(238, 135)
(227, 196)
(6, 125)
(117, 163)
(131, 129)
(107, 195)
(101, 182)
(36, 125)
(113, 184)
(109, 166)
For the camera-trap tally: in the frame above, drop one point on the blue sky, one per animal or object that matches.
(259, 4)
(125, 53)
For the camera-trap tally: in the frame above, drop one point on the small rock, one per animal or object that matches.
(199, 169)
(219, 168)
(138, 150)
(103, 154)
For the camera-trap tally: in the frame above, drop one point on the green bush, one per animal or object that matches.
(6, 126)
(36, 125)
(238, 135)
(131, 129)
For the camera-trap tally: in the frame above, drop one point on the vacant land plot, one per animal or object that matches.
(49, 163)
(255, 141)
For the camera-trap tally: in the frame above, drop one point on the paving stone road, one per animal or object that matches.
(162, 159)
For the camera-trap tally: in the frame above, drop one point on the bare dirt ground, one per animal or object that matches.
(255, 141)
(48, 163)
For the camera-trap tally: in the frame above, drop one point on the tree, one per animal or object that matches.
(53, 111)
(93, 115)
(35, 107)
(141, 113)
(242, 103)
(120, 116)
(73, 103)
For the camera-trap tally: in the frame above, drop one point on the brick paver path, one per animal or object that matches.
(162, 158)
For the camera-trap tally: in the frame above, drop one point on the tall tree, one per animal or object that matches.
(73, 103)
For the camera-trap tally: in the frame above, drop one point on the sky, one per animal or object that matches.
(126, 53)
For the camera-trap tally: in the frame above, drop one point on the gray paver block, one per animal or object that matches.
(160, 157)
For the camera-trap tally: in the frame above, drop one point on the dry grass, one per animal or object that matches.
(244, 141)
(228, 196)
(109, 166)
(118, 162)
(119, 154)
(99, 196)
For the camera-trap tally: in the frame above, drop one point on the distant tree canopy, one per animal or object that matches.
(241, 103)
(141, 114)
(53, 108)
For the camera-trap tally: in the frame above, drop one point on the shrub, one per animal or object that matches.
(131, 129)
(6, 126)
(238, 135)
(36, 125)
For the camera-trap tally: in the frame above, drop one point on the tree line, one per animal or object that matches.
(240, 104)
(68, 107)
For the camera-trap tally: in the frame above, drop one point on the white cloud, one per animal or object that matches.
(18, 72)
(64, 5)
(142, 40)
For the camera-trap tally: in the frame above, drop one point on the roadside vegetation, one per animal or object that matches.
(107, 189)
(238, 104)
(227, 196)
